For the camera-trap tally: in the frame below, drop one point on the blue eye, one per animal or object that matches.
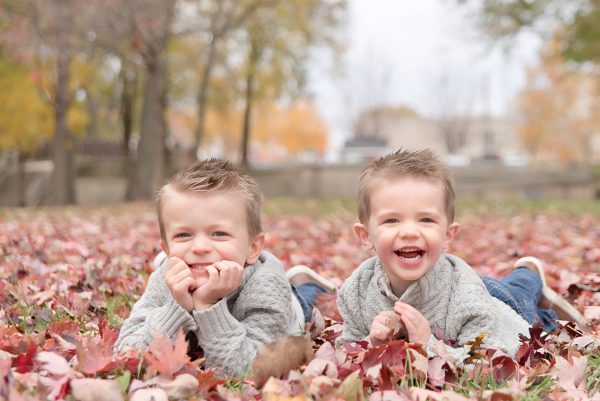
(220, 234)
(182, 235)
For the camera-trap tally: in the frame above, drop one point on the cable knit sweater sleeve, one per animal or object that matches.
(354, 327)
(360, 299)
(155, 312)
(470, 311)
(232, 331)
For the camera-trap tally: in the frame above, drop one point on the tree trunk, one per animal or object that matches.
(247, 117)
(21, 184)
(92, 109)
(63, 177)
(203, 96)
(128, 96)
(253, 58)
(148, 168)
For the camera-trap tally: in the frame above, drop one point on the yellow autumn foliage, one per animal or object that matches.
(26, 121)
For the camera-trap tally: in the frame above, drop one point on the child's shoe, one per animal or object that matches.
(551, 299)
(301, 274)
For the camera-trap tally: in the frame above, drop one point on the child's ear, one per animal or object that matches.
(362, 233)
(256, 248)
(451, 232)
(164, 247)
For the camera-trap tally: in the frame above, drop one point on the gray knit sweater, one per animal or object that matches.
(231, 331)
(451, 296)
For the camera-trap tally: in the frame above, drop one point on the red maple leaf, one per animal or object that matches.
(326, 303)
(503, 367)
(108, 335)
(533, 349)
(24, 362)
(208, 381)
(167, 358)
(391, 354)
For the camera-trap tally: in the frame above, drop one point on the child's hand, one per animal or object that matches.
(224, 277)
(381, 329)
(416, 324)
(180, 281)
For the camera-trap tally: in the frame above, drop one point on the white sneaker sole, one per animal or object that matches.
(303, 274)
(550, 298)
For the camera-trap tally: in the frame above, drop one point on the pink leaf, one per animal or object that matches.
(93, 355)
(55, 364)
(165, 357)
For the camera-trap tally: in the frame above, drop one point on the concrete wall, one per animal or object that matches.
(485, 181)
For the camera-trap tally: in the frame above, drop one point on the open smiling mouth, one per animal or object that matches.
(199, 265)
(409, 253)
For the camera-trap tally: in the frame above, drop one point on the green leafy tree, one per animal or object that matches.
(578, 19)
(583, 34)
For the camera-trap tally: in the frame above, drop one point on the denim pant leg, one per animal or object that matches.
(522, 290)
(307, 294)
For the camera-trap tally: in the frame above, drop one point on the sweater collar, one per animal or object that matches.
(265, 259)
(415, 291)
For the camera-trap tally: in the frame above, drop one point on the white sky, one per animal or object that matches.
(398, 51)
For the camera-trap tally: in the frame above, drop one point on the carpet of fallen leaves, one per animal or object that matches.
(68, 277)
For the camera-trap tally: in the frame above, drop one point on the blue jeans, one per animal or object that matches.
(307, 294)
(522, 290)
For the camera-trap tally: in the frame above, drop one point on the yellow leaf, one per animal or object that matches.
(352, 388)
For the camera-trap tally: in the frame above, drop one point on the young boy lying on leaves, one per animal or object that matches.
(216, 283)
(412, 288)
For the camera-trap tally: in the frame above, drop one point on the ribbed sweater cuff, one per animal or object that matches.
(215, 321)
(170, 319)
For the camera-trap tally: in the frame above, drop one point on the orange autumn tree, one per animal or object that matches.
(560, 108)
(279, 133)
(296, 129)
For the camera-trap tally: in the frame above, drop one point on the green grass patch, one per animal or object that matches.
(309, 207)
(592, 374)
(327, 207)
(475, 383)
(522, 206)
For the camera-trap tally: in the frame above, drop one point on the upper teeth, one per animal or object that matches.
(409, 250)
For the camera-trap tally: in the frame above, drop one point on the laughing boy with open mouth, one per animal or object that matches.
(412, 288)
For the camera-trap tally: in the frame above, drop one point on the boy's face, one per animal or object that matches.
(408, 228)
(204, 228)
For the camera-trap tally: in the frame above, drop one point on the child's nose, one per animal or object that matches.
(408, 229)
(201, 245)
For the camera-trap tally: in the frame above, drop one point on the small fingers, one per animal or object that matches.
(213, 275)
(380, 331)
(176, 275)
(416, 324)
(184, 285)
(230, 273)
(174, 266)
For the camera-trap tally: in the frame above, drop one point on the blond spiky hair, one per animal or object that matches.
(423, 164)
(212, 175)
